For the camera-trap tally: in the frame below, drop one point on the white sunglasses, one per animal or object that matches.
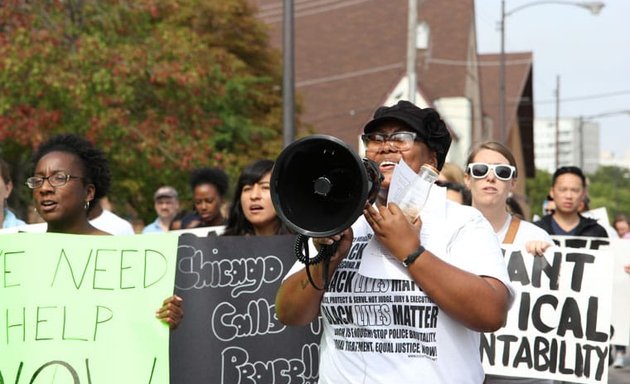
(503, 172)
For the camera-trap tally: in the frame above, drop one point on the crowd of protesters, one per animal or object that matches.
(69, 191)
(210, 206)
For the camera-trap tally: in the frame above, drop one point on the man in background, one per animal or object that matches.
(568, 190)
(166, 206)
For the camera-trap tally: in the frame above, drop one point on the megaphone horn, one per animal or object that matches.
(319, 185)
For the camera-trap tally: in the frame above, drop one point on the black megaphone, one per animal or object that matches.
(319, 185)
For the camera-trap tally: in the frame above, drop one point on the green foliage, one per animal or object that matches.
(610, 187)
(537, 189)
(163, 86)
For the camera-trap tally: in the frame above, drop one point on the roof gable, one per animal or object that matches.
(350, 55)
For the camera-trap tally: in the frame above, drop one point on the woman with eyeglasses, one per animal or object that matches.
(491, 176)
(417, 321)
(70, 176)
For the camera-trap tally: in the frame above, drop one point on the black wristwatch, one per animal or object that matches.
(413, 256)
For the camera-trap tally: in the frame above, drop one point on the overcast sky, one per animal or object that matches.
(590, 53)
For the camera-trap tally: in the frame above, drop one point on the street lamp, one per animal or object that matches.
(593, 6)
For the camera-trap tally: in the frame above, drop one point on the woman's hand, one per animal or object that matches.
(393, 229)
(343, 240)
(319, 241)
(626, 268)
(171, 311)
(537, 247)
(297, 301)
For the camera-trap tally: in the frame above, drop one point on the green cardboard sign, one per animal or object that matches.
(81, 309)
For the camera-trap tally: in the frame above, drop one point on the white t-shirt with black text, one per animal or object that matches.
(389, 331)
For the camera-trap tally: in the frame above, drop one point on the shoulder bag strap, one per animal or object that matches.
(511, 232)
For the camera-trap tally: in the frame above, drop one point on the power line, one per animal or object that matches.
(608, 114)
(347, 75)
(586, 97)
(484, 63)
(368, 71)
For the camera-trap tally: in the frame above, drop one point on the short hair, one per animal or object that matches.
(620, 217)
(93, 160)
(458, 187)
(5, 171)
(573, 170)
(212, 176)
(545, 205)
(452, 173)
(496, 147)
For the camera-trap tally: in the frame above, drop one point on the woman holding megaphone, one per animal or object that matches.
(406, 300)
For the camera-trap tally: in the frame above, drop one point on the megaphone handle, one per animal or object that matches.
(324, 255)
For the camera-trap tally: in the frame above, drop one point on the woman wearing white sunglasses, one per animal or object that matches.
(491, 176)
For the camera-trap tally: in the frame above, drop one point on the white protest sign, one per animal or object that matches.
(620, 318)
(559, 325)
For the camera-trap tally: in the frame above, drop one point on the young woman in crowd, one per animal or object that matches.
(70, 176)
(252, 212)
(491, 176)
(209, 186)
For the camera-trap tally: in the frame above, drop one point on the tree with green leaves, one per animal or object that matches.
(610, 187)
(537, 189)
(163, 86)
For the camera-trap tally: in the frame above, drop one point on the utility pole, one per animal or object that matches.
(581, 138)
(412, 27)
(502, 94)
(557, 121)
(288, 75)
(592, 6)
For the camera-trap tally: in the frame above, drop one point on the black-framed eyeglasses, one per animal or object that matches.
(503, 172)
(57, 179)
(400, 141)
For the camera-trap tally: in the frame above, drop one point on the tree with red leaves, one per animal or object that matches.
(162, 86)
